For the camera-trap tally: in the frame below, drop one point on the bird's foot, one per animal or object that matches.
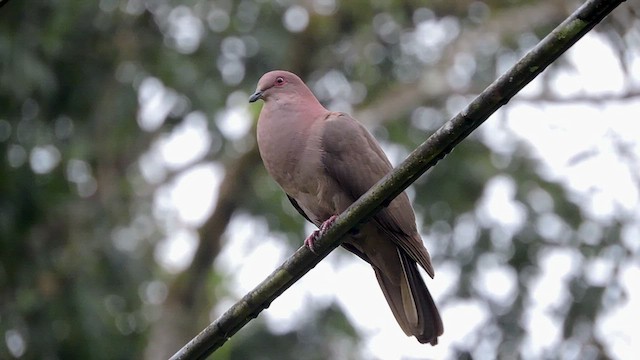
(310, 240)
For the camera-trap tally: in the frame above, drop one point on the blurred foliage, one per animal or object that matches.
(90, 92)
(324, 335)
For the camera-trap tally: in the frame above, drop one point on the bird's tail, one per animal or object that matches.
(411, 302)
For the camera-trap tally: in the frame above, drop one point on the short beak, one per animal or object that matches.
(256, 95)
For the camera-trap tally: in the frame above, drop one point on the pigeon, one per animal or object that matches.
(324, 161)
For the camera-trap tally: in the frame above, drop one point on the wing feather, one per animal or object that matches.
(355, 160)
(298, 208)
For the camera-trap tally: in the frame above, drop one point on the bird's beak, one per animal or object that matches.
(256, 95)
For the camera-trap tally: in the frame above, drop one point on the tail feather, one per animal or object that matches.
(411, 302)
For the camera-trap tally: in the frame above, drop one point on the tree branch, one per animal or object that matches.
(400, 99)
(181, 309)
(420, 160)
(588, 98)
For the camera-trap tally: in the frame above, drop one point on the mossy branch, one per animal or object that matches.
(420, 160)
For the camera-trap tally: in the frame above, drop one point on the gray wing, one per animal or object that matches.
(355, 160)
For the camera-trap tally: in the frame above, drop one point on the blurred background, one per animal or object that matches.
(134, 208)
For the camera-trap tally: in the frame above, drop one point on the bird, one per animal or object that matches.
(324, 161)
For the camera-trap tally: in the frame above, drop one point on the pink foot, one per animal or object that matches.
(309, 241)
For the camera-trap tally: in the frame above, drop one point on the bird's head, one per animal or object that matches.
(278, 82)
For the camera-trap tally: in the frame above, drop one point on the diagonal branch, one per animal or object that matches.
(548, 97)
(420, 160)
(401, 99)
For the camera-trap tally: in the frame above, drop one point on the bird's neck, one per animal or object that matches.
(285, 115)
(283, 129)
(290, 103)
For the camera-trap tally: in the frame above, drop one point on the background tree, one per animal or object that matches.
(109, 109)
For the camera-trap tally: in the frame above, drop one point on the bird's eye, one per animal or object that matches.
(279, 80)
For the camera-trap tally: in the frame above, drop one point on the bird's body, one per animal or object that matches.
(324, 161)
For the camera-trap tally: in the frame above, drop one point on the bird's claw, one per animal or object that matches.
(310, 240)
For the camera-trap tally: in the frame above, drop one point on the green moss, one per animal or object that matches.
(570, 30)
